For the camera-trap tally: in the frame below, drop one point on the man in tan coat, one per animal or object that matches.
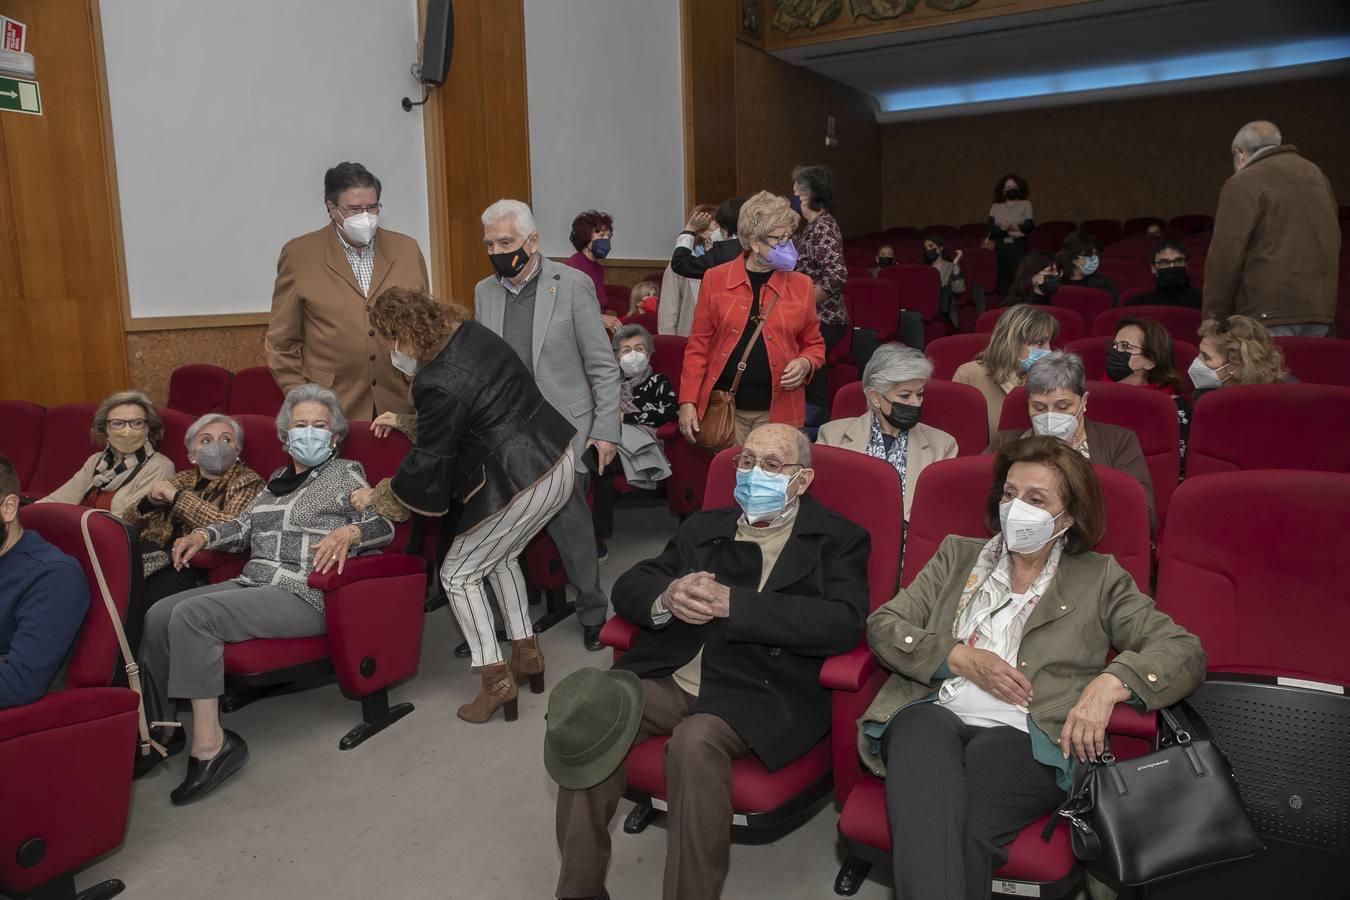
(1276, 239)
(320, 330)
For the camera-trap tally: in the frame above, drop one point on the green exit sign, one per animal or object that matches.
(17, 95)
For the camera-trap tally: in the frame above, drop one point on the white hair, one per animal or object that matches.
(213, 419)
(893, 363)
(311, 393)
(518, 212)
(1255, 135)
(1060, 369)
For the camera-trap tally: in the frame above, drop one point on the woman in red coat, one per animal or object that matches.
(760, 282)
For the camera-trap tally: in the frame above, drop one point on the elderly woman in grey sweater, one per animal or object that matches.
(302, 522)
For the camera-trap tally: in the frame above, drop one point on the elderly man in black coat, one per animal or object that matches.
(737, 616)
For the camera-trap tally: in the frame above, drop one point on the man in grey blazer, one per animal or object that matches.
(550, 316)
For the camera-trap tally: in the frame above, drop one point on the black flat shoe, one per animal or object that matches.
(462, 651)
(146, 763)
(204, 776)
(590, 637)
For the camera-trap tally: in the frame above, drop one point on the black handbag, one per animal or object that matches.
(1167, 813)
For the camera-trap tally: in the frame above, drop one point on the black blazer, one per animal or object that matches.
(684, 263)
(761, 665)
(484, 432)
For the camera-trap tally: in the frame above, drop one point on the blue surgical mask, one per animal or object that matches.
(309, 446)
(699, 249)
(1089, 264)
(796, 203)
(762, 497)
(600, 248)
(1033, 354)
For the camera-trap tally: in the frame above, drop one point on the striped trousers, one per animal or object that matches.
(490, 551)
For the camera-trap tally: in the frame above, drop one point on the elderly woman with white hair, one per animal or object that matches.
(893, 383)
(302, 522)
(1057, 401)
(217, 488)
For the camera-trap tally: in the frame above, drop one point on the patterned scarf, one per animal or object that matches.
(110, 473)
(876, 446)
(627, 387)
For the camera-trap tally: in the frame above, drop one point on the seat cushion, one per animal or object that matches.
(272, 654)
(863, 821)
(754, 789)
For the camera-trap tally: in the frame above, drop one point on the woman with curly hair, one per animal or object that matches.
(1010, 222)
(1235, 350)
(592, 231)
(489, 446)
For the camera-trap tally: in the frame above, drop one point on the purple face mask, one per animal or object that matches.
(783, 257)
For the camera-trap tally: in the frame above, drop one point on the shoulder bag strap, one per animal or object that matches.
(740, 366)
(133, 670)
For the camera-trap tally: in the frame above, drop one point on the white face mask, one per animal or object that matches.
(716, 235)
(633, 363)
(402, 361)
(1055, 424)
(1026, 528)
(1203, 377)
(361, 227)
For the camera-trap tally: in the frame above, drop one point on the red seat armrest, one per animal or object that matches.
(219, 566)
(849, 671)
(618, 633)
(667, 431)
(1128, 721)
(362, 567)
(61, 708)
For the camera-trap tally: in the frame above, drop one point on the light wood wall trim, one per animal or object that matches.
(173, 323)
(110, 163)
(613, 263)
(438, 212)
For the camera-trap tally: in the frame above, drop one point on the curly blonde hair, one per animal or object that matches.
(762, 215)
(415, 320)
(1245, 344)
(1016, 328)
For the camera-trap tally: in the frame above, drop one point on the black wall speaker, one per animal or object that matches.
(438, 41)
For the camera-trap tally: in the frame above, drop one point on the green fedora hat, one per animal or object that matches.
(593, 716)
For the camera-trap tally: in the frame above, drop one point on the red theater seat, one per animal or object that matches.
(1151, 415)
(875, 305)
(67, 758)
(66, 446)
(176, 425)
(198, 389)
(1087, 302)
(1181, 322)
(1108, 231)
(866, 491)
(949, 499)
(957, 409)
(952, 352)
(646, 320)
(616, 299)
(1317, 360)
(21, 437)
(1191, 224)
(1048, 237)
(1139, 226)
(981, 271)
(1270, 426)
(255, 392)
(1071, 326)
(263, 451)
(920, 290)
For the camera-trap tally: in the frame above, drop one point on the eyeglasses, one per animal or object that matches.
(133, 424)
(770, 464)
(1127, 347)
(777, 240)
(1178, 263)
(373, 209)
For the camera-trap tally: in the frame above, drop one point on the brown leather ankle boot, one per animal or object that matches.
(498, 691)
(527, 661)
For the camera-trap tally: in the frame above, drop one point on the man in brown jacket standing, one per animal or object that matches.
(320, 330)
(1276, 239)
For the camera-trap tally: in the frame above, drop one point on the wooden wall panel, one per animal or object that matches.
(709, 35)
(61, 280)
(780, 122)
(1156, 156)
(480, 149)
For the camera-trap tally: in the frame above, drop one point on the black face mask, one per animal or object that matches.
(903, 416)
(1013, 194)
(511, 263)
(1173, 280)
(884, 261)
(1118, 364)
(1050, 285)
(930, 256)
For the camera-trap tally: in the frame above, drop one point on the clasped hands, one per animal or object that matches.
(697, 599)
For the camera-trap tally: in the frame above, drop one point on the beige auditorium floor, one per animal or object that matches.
(431, 808)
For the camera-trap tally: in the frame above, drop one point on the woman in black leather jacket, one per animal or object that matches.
(489, 453)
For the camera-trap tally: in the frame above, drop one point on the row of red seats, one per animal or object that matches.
(1220, 576)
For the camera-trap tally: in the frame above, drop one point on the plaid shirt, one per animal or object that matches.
(362, 261)
(820, 256)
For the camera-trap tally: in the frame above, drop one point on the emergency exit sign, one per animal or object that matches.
(17, 95)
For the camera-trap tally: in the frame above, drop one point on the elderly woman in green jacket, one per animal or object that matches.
(1001, 683)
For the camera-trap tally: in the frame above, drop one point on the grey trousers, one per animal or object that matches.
(956, 795)
(1299, 330)
(183, 647)
(573, 532)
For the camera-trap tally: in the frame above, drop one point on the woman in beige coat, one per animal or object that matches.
(127, 427)
(1001, 683)
(1022, 336)
(893, 383)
